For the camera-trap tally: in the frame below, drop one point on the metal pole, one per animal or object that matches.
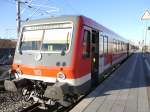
(18, 18)
(145, 36)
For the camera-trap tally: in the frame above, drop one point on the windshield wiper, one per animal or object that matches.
(20, 51)
(63, 52)
(67, 43)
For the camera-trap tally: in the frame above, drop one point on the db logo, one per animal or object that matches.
(37, 72)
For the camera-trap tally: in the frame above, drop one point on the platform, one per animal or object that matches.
(126, 90)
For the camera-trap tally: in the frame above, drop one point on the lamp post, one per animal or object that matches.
(146, 16)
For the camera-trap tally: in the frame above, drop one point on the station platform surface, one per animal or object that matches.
(126, 90)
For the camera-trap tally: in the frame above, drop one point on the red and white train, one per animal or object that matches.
(60, 58)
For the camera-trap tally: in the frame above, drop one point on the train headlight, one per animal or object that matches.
(61, 75)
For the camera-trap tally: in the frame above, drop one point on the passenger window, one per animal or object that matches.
(105, 45)
(86, 44)
(122, 46)
(118, 46)
(101, 45)
(115, 46)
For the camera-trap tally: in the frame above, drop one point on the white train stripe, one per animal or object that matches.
(73, 82)
(45, 79)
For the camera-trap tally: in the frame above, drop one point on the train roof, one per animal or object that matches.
(50, 19)
(112, 34)
(92, 23)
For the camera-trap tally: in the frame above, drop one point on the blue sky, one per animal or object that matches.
(121, 16)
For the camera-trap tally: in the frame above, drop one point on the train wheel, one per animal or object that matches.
(26, 94)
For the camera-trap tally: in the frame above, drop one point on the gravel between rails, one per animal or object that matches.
(7, 104)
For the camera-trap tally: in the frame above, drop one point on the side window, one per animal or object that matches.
(117, 46)
(101, 44)
(122, 46)
(114, 46)
(86, 44)
(105, 45)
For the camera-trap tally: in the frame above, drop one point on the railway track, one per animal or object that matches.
(31, 108)
(34, 107)
(7, 104)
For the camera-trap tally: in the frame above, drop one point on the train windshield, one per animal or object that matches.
(56, 39)
(48, 38)
(31, 40)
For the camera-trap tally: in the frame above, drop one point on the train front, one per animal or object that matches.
(42, 61)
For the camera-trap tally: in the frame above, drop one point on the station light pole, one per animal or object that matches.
(146, 35)
(146, 16)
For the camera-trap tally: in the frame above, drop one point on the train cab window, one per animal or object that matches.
(86, 44)
(31, 40)
(105, 45)
(52, 38)
(56, 40)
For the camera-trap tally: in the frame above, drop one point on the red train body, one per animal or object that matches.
(70, 65)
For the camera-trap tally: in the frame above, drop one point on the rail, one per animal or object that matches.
(34, 107)
(30, 108)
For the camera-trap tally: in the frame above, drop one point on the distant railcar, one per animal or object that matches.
(7, 50)
(62, 57)
(6, 43)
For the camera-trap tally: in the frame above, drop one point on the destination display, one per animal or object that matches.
(48, 26)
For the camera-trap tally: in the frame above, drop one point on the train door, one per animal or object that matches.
(94, 57)
(101, 53)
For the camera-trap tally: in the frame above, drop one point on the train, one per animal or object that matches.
(58, 59)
